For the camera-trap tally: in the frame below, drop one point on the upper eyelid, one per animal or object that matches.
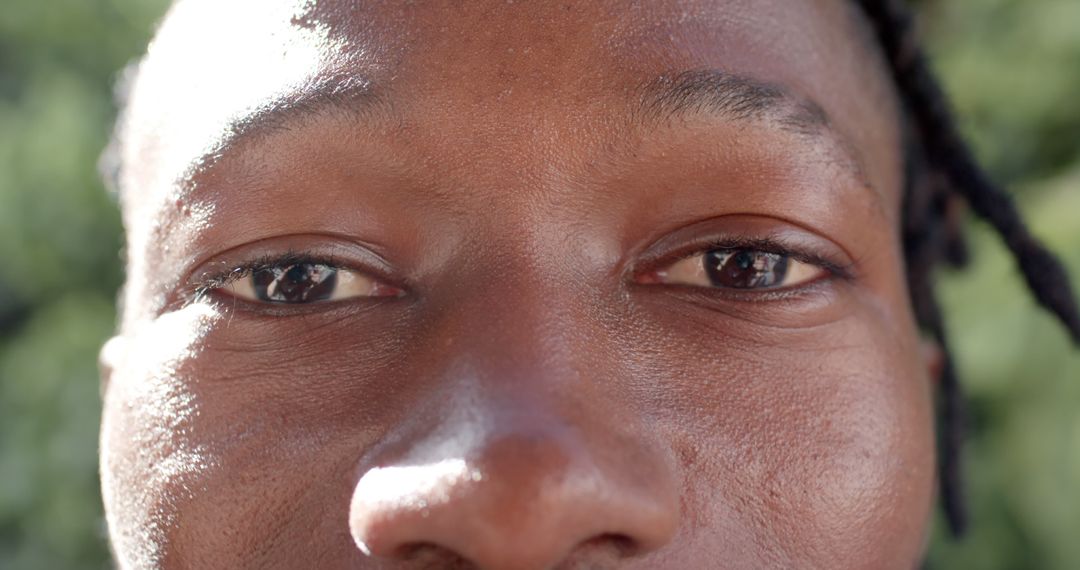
(763, 245)
(227, 273)
(749, 230)
(214, 279)
(210, 280)
(340, 250)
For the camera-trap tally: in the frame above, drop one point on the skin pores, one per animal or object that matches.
(534, 382)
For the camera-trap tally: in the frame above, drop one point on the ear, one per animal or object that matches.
(933, 359)
(112, 355)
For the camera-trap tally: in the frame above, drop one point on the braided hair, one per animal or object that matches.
(942, 175)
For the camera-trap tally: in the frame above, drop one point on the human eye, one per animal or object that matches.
(297, 280)
(744, 268)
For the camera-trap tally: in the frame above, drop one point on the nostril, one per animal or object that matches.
(414, 551)
(625, 545)
(528, 498)
(616, 545)
(431, 555)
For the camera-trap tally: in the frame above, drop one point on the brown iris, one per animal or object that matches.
(745, 269)
(299, 283)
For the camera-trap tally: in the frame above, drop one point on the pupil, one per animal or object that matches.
(744, 259)
(299, 283)
(745, 269)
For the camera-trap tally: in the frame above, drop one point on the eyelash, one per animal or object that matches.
(215, 280)
(764, 245)
(210, 281)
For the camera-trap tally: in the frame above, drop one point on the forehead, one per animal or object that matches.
(215, 63)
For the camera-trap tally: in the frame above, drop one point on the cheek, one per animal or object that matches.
(798, 448)
(213, 445)
(148, 461)
(809, 448)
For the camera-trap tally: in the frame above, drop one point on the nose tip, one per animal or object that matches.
(522, 502)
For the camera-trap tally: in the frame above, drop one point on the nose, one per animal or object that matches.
(528, 498)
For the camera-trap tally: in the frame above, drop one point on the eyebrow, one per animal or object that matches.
(665, 97)
(669, 96)
(732, 96)
(341, 92)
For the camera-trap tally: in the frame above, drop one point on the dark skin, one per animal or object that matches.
(520, 362)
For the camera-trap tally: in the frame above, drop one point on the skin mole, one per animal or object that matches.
(529, 285)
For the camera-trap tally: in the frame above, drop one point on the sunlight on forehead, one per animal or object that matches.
(212, 64)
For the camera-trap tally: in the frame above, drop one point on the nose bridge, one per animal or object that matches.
(536, 457)
(526, 277)
(517, 318)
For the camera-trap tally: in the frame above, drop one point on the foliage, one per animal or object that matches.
(59, 239)
(1013, 67)
(1013, 70)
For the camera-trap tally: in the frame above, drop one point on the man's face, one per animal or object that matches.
(515, 285)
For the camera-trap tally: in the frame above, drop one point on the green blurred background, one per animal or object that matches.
(1012, 66)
